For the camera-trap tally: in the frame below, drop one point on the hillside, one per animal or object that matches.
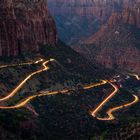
(116, 44)
(69, 71)
(60, 98)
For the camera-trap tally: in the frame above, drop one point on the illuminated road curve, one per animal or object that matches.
(25, 101)
(110, 112)
(22, 64)
(45, 68)
(103, 82)
(28, 99)
(135, 75)
(99, 107)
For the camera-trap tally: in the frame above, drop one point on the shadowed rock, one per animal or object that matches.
(25, 24)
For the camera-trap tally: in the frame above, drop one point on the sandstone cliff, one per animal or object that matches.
(117, 43)
(24, 24)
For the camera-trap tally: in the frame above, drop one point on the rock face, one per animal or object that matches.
(78, 19)
(117, 43)
(24, 24)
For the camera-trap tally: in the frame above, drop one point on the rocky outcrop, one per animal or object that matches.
(129, 15)
(25, 24)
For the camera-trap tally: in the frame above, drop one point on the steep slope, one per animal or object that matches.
(116, 44)
(64, 116)
(25, 24)
(48, 117)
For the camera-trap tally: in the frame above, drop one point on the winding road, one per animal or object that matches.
(28, 99)
(135, 75)
(99, 107)
(94, 113)
(110, 111)
(45, 68)
(22, 64)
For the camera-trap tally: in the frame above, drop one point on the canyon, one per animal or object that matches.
(50, 91)
(24, 25)
(116, 44)
(27, 24)
(79, 19)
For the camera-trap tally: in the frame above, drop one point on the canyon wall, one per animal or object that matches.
(78, 19)
(117, 43)
(24, 25)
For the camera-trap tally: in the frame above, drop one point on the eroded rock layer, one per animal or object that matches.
(117, 43)
(23, 25)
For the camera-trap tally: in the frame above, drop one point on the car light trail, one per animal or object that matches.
(28, 99)
(45, 68)
(99, 107)
(110, 112)
(22, 64)
(135, 75)
(23, 102)
(103, 82)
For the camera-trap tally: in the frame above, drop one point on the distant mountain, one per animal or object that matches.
(78, 19)
(24, 25)
(117, 43)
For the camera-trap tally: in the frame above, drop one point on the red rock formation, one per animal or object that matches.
(129, 15)
(117, 43)
(24, 24)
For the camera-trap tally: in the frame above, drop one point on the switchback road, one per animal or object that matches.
(94, 113)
